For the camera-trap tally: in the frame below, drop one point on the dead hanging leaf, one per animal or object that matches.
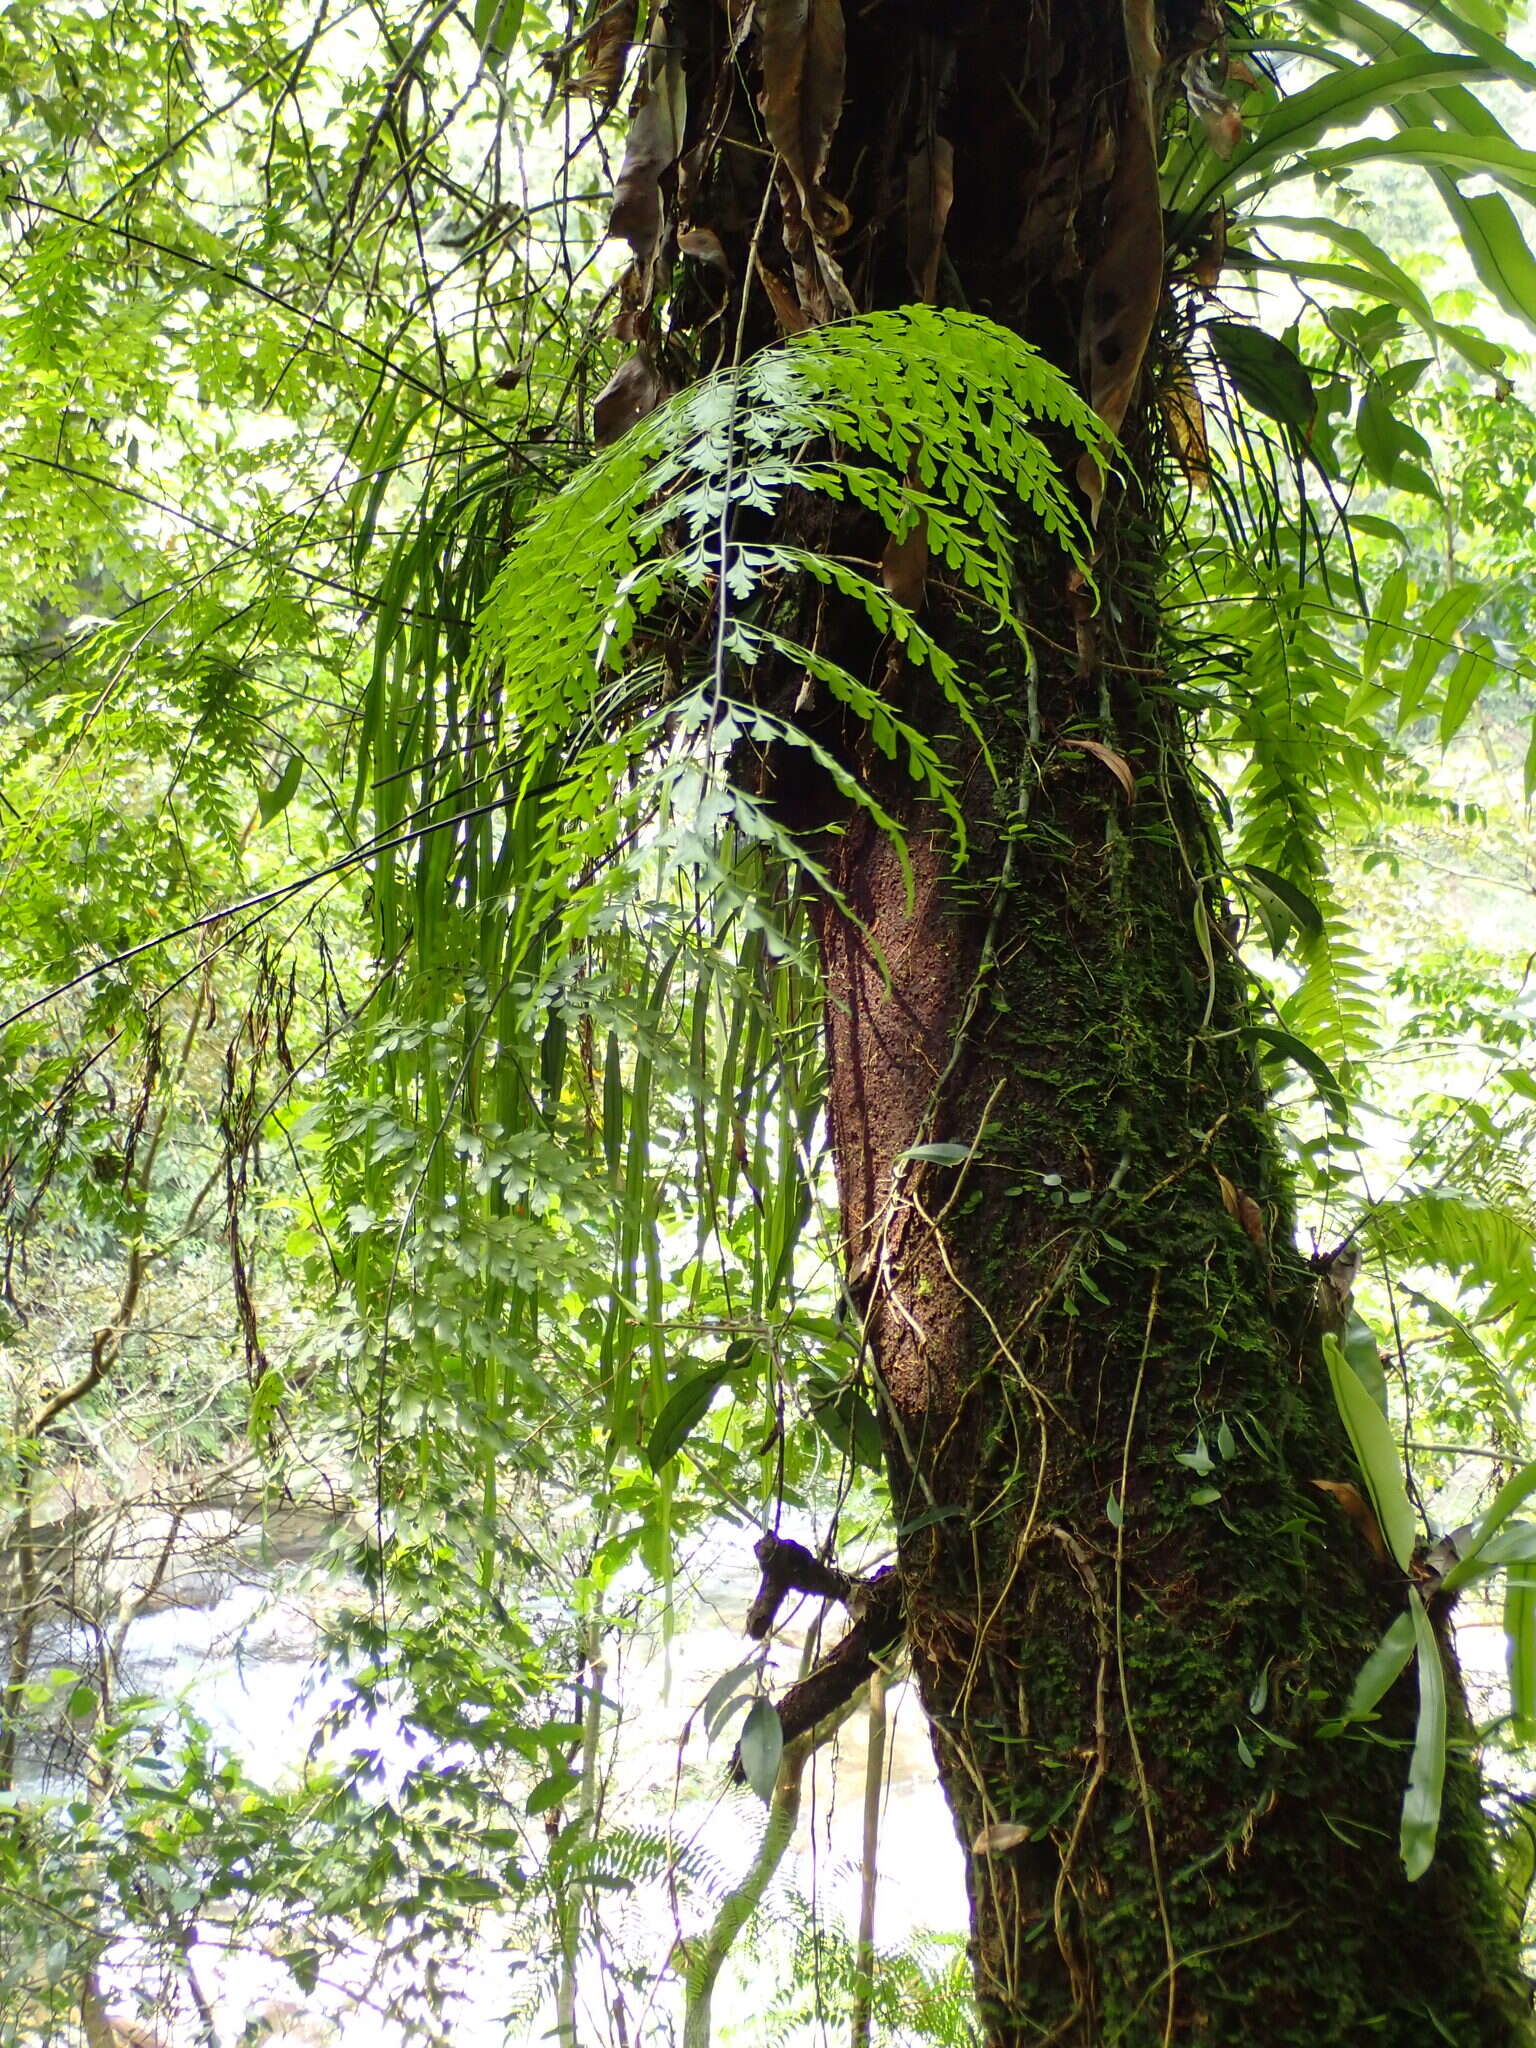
(655, 139)
(1001, 1836)
(786, 307)
(636, 388)
(1210, 256)
(703, 290)
(1212, 107)
(604, 52)
(1359, 1511)
(930, 194)
(904, 567)
(801, 54)
(1117, 764)
(1125, 286)
(633, 320)
(1184, 417)
(1339, 1270)
(1430, 1569)
(820, 285)
(801, 50)
(703, 245)
(1241, 1207)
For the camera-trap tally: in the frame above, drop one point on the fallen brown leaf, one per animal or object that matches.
(655, 138)
(1000, 1836)
(635, 388)
(1184, 417)
(930, 194)
(604, 52)
(904, 567)
(1359, 1511)
(1117, 764)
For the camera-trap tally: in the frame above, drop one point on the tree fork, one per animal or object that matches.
(1125, 1661)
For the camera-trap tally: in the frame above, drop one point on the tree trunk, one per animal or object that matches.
(1129, 1669)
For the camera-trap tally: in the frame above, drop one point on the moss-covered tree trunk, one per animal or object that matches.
(1125, 1658)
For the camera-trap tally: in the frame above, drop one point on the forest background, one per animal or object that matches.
(438, 1235)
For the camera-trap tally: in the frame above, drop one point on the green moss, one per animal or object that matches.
(1086, 1677)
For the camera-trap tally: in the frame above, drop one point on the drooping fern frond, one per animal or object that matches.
(595, 1077)
(632, 613)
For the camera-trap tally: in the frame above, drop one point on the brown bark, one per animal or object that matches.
(1130, 1670)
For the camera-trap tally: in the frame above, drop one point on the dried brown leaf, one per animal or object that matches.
(655, 139)
(1215, 111)
(999, 1837)
(1117, 764)
(636, 388)
(1359, 1511)
(705, 246)
(604, 52)
(801, 50)
(1229, 1196)
(930, 194)
(1184, 417)
(904, 567)
(820, 285)
(786, 307)
(1210, 256)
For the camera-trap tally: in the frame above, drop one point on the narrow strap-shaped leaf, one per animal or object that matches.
(1426, 1768)
(1377, 1452)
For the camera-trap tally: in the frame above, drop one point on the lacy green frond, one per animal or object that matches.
(927, 419)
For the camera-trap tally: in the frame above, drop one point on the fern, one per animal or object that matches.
(931, 419)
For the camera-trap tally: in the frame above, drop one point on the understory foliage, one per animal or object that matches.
(411, 1106)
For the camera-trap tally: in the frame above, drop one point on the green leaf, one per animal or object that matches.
(1362, 1348)
(272, 802)
(1311, 1063)
(1258, 1695)
(1342, 99)
(1520, 1649)
(1490, 1525)
(1394, 451)
(681, 1414)
(927, 1519)
(1426, 1769)
(550, 1792)
(1266, 372)
(496, 25)
(1471, 675)
(1376, 1450)
(938, 1154)
(1381, 1669)
(725, 1689)
(1298, 904)
(762, 1745)
(1494, 156)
